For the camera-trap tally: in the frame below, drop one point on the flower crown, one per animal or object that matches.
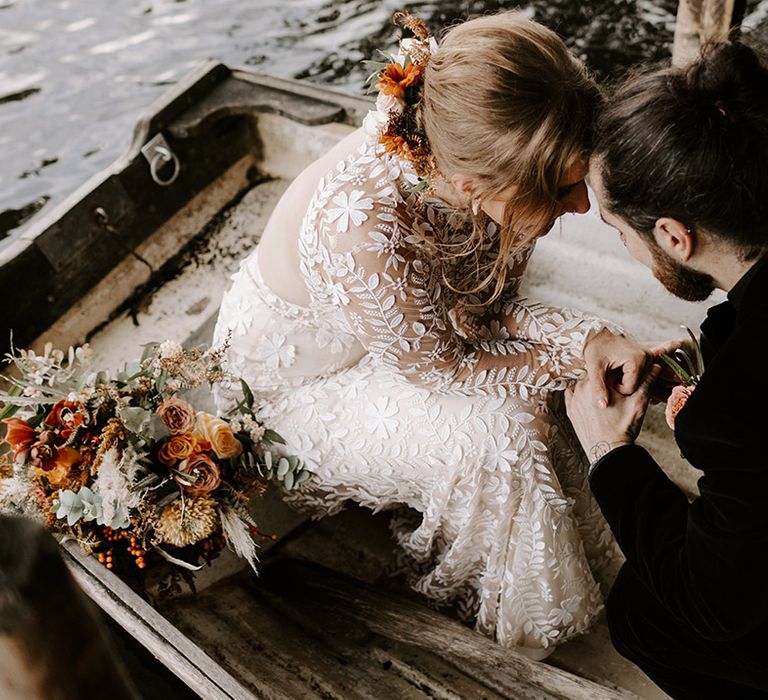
(399, 82)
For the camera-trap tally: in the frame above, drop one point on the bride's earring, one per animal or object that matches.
(476, 205)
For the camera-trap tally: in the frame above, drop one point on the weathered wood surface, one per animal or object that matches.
(52, 641)
(700, 21)
(305, 631)
(156, 634)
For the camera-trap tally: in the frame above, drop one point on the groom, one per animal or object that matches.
(681, 171)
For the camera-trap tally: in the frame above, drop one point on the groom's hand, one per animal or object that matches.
(602, 429)
(667, 379)
(614, 362)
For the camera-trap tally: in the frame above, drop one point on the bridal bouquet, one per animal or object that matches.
(129, 468)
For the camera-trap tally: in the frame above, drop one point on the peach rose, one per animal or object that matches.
(677, 399)
(218, 433)
(205, 471)
(178, 415)
(177, 447)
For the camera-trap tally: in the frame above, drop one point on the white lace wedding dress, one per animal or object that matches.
(393, 396)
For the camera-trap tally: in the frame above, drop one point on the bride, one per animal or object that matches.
(379, 321)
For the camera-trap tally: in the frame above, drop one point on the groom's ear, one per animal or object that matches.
(674, 238)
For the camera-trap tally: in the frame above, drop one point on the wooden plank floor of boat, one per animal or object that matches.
(311, 626)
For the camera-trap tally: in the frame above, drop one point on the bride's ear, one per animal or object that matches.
(675, 238)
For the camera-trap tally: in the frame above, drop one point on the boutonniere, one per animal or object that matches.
(689, 368)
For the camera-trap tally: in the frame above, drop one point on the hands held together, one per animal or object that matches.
(608, 407)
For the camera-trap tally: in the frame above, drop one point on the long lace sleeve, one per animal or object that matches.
(499, 327)
(393, 298)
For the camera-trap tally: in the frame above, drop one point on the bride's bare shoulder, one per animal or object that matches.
(279, 242)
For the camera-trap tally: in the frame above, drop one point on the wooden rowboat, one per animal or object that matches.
(143, 252)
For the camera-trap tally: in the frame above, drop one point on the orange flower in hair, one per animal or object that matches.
(394, 143)
(395, 78)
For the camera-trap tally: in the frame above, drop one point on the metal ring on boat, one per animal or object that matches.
(160, 158)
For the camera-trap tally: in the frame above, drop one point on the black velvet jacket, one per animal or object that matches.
(707, 561)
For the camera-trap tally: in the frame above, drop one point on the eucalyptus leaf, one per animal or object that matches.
(157, 430)
(149, 350)
(283, 467)
(144, 423)
(288, 481)
(132, 367)
(303, 476)
(134, 418)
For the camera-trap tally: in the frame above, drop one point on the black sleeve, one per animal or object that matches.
(704, 561)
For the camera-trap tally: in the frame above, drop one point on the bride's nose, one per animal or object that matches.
(577, 201)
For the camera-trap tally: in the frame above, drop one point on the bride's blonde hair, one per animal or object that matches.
(505, 103)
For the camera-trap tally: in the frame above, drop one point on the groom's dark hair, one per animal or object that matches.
(691, 144)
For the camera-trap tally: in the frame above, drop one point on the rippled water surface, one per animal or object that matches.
(76, 74)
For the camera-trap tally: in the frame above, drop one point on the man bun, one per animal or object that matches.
(691, 144)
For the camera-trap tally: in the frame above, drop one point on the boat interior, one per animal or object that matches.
(144, 252)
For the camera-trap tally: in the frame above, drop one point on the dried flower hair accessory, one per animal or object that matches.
(399, 82)
(689, 368)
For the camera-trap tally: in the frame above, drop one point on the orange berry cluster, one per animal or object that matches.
(105, 558)
(255, 532)
(133, 548)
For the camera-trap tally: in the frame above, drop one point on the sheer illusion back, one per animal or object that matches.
(397, 393)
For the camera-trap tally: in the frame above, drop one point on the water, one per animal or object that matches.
(76, 74)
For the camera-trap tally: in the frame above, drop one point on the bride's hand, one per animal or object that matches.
(617, 361)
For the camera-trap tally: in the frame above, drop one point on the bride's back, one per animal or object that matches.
(278, 247)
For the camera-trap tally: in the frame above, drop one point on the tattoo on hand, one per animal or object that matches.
(599, 450)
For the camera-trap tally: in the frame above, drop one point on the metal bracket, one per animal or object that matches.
(158, 153)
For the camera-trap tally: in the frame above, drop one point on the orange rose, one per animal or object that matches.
(395, 78)
(19, 435)
(218, 433)
(677, 399)
(177, 414)
(177, 447)
(205, 472)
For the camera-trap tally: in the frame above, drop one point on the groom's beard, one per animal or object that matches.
(678, 279)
